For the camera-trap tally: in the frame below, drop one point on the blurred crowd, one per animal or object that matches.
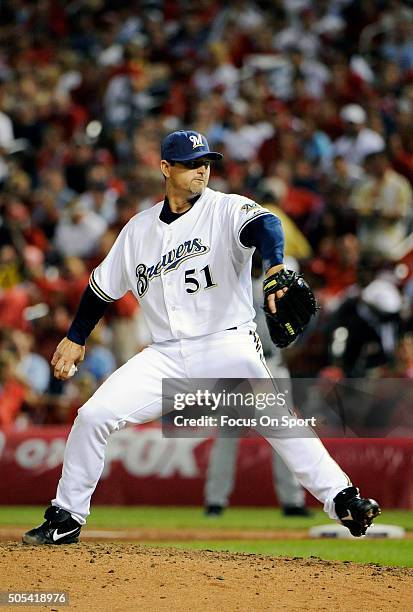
(311, 104)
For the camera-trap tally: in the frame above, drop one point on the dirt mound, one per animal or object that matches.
(124, 576)
(153, 534)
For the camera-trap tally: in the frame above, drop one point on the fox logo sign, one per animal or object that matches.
(196, 141)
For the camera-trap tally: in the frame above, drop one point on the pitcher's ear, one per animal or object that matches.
(165, 168)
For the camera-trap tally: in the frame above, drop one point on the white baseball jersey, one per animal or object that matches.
(192, 277)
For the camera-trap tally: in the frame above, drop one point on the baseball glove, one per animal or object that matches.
(294, 309)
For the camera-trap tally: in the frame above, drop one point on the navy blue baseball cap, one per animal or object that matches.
(183, 146)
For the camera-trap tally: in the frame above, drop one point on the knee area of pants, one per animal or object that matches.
(93, 416)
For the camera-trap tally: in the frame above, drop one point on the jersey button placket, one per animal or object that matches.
(167, 285)
(166, 247)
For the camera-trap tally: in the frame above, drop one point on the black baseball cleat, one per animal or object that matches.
(302, 511)
(213, 511)
(355, 512)
(59, 528)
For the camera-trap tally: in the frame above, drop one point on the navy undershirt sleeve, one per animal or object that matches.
(91, 309)
(266, 234)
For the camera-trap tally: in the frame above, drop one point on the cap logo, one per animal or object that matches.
(196, 141)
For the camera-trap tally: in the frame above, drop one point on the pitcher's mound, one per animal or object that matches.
(124, 576)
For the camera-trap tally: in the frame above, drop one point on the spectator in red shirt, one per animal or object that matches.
(12, 390)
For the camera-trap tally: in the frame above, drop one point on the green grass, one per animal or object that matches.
(384, 552)
(172, 517)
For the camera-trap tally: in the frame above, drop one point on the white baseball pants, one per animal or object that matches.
(133, 394)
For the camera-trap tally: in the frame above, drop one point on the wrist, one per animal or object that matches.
(76, 336)
(274, 269)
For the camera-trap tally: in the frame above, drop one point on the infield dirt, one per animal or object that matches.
(125, 576)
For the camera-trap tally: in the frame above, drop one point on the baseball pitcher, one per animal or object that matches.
(188, 262)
